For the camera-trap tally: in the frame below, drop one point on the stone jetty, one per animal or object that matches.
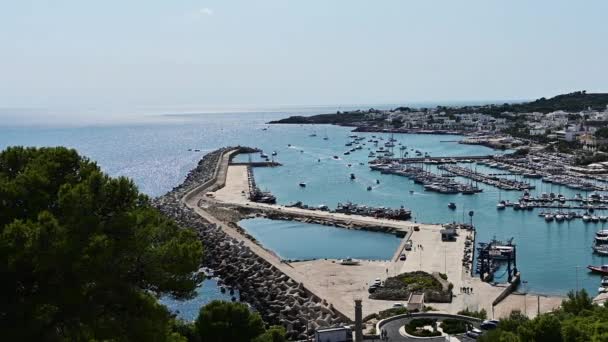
(276, 296)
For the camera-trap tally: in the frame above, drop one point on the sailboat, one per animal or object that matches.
(501, 204)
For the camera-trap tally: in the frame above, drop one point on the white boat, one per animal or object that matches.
(548, 217)
(349, 262)
(501, 206)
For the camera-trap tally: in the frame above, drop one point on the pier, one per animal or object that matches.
(258, 163)
(429, 180)
(501, 183)
(435, 160)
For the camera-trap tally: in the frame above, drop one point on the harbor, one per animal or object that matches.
(429, 249)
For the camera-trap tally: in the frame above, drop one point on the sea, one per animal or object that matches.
(157, 151)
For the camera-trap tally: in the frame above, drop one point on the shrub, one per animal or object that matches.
(453, 326)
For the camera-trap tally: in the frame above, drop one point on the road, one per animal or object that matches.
(392, 327)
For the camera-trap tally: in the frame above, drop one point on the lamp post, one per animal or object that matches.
(577, 267)
(525, 282)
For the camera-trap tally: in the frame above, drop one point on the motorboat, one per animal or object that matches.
(501, 205)
(452, 205)
(549, 217)
(349, 262)
(603, 269)
(352, 176)
(600, 249)
(302, 184)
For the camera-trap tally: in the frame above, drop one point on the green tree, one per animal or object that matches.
(273, 334)
(577, 302)
(221, 321)
(83, 255)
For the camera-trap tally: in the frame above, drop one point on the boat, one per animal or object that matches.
(452, 205)
(369, 188)
(263, 155)
(603, 269)
(549, 217)
(559, 217)
(274, 153)
(501, 205)
(586, 218)
(352, 176)
(600, 249)
(349, 262)
(604, 281)
(377, 181)
(335, 157)
(302, 184)
(346, 153)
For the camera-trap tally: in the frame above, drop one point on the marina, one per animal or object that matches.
(501, 183)
(430, 181)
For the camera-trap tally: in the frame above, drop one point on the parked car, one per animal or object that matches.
(402, 257)
(488, 325)
(474, 333)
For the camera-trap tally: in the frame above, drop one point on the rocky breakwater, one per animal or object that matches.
(278, 298)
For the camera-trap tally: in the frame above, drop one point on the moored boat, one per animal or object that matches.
(603, 269)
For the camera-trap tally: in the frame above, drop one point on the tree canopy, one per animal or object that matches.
(221, 321)
(577, 320)
(84, 256)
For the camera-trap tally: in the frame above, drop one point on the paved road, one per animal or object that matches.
(392, 328)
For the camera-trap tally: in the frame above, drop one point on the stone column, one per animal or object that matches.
(358, 321)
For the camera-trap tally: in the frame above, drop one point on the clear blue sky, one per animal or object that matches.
(175, 53)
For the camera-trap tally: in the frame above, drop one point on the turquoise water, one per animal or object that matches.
(155, 155)
(315, 241)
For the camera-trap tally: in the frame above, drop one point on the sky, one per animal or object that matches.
(190, 54)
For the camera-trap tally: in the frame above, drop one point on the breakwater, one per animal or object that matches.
(276, 296)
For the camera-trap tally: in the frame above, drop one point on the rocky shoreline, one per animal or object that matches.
(278, 298)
